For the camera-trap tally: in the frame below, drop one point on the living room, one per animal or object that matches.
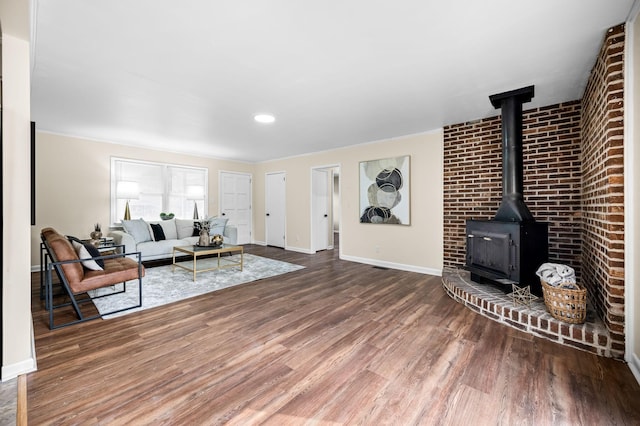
(70, 165)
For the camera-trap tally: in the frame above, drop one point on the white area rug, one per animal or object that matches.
(161, 286)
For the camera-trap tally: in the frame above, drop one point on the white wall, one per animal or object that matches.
(18, 356)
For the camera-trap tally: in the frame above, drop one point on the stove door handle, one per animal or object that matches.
(487, 239)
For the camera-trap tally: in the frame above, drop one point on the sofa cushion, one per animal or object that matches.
(169, 229)
(158, 232)
(154, 248)
(217, 225)
(184, 228)
(138, 229)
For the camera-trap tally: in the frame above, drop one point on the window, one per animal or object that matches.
(154, 188)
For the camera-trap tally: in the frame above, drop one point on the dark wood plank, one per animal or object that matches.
(335, 343)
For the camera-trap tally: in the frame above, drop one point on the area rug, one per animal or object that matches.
(161, 286)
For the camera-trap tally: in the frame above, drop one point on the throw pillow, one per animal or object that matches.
(217, 225)
(158, 232)
(197, 227)
(90, 249)
(138, 229)
(83, 253)
(169, 229)
(184, 228)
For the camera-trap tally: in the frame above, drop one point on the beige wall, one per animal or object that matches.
(73, 193)
(17, 355)
(72, 182)
(416, 247)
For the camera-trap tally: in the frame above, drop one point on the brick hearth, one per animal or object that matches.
(491, 302)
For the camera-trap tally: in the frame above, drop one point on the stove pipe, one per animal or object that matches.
(512, 207)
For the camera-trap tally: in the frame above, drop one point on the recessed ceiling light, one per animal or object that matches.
(264, 118)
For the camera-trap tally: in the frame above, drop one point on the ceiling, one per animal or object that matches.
(189, 76)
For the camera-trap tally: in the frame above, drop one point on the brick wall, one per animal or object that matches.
(551, 178)
(603, 185)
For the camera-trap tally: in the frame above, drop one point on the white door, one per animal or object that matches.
(275, 208)
(320, 208)
(235, 202)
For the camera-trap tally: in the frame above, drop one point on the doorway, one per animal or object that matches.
(235, 203)
(325, 207)
(275, 209)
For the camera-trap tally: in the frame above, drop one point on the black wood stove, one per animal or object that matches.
(510, 248)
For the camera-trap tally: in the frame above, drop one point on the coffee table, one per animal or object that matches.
(195, 252)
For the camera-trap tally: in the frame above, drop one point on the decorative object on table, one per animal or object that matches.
(127, 190)
(521, 295)
(204, 234)
(217, 240)
(167, 216)
(97, 232)
(195, 193)
(384, 191)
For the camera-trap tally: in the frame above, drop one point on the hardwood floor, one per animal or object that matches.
(335, 343)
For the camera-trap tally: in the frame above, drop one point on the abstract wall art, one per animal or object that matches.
(384, 191)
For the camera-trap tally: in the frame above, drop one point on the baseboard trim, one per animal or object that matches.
(28, 365)
(299, 250)
(634, 366)
(12, 371)
(392, 265)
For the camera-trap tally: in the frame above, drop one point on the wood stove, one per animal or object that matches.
(510, 248)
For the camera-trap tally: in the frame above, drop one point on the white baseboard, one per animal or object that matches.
(12, 371)
(634, 365)
(392, 265)
(300, 250)
(28, 365)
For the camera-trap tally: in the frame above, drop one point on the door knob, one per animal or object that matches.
(224, 214)
(267, 214)
(326, 215)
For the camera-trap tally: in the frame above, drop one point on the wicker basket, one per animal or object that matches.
(564, 304)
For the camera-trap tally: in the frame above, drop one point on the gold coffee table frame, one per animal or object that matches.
(204, 251)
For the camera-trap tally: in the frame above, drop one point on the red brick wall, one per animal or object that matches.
(551, 181)
(603, 185)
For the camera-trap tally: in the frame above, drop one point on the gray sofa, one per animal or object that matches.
(156, 239)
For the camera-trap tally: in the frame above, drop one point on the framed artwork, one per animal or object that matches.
(384, 191)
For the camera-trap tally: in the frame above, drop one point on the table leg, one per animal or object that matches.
(241, 259)
(173, 264)
(195, 257)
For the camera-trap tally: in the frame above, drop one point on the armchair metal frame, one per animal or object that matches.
(49, 264)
